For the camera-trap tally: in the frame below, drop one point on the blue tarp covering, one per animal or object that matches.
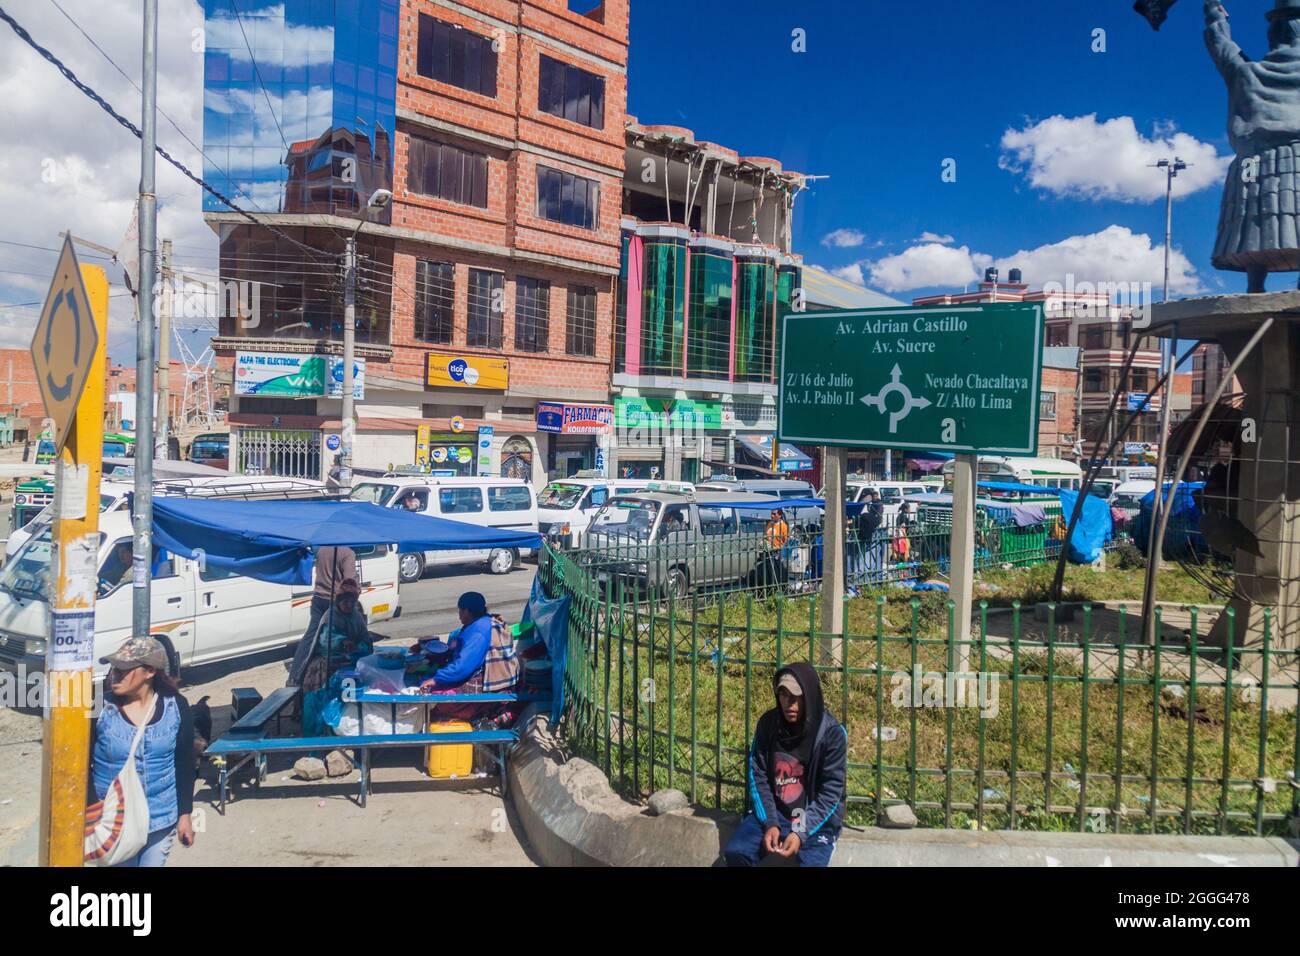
(273, 540)
(1183, 533)
(1090, 534)
(551, 618)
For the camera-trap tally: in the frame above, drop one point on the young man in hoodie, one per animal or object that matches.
(797, 771)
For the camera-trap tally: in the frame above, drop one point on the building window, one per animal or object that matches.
(486, 307)
(435, 301)
(1047, 406)
(1140, 380)
(532, 314)
(570, 93)
(580, 334)
(1094, 337)
(1095, 380)
(447, 172)
(454, 55)
(566, 198)
(1058, 335)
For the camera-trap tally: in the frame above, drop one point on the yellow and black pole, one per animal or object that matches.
(73, 564)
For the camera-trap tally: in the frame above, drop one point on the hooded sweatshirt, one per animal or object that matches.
(799, 771)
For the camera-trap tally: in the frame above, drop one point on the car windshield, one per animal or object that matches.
(375, 494)
(25, 575)
(561, 496)
(626, 516)
(202, 450)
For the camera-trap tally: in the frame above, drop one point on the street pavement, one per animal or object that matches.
(410, 818)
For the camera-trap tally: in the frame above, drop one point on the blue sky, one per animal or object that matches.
(886, 91)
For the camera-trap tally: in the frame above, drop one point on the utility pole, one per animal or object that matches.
(164, 351)
(1167, 345)
(342, 475)
(142, 515)
(349, 351)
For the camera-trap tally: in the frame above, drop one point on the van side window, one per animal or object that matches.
(754, 522)
(718, 521)
(509, 499)
(676, 518)
(116, 569)
(421, 495)
(459, 501)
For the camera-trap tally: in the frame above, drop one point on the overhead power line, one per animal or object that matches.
(135, 130)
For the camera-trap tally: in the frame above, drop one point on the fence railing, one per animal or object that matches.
(1027, 725)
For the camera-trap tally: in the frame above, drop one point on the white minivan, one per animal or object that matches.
(566, 506)
(505, 503)
(200, 614)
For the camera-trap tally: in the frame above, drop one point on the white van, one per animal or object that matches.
(892, 493)
(506, 503)
(200, 615)
(566, 506)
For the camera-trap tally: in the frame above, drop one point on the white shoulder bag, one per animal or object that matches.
(117, 827)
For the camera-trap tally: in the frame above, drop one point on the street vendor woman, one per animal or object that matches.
(341, 638)
(482, 661)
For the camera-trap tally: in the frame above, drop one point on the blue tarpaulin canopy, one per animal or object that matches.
(1094, 528)
(273, 540)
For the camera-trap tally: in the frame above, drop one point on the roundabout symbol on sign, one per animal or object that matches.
(895, 384)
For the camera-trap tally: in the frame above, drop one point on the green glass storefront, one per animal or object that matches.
(709, 345)
(663, 307)
(755, 304)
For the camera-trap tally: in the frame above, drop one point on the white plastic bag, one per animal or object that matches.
(377, 719)
(377, 679)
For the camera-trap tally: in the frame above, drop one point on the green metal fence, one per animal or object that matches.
(1055, 730)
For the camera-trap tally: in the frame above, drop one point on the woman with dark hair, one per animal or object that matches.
(481, 661)
(797, 769)
(142, 694)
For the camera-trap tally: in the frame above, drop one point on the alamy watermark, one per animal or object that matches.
(1133, 299)
(239, 299)
(942, 689)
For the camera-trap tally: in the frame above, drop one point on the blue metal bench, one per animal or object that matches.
(248, 737)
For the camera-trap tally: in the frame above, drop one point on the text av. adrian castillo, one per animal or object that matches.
(921, 325)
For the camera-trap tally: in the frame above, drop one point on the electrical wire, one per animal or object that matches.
(135, 130)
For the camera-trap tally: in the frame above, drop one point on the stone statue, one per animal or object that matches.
(1259, 219)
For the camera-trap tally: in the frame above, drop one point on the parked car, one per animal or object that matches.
(674, 544)
(507, 503)
(201, 615)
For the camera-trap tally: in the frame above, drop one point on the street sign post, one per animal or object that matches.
(957, 378)
(69, 354)
(962, 378)
(65, 344)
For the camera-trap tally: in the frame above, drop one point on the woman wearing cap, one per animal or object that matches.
(483, 661)
(797, 769)
(141, 692)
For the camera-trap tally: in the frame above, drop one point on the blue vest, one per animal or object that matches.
(155, 759)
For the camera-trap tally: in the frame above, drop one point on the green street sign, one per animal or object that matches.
(961, 378)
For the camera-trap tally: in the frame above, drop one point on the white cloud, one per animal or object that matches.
(935, 237)
(68, 165)
(851, 273)
(844, 238)
(1081, 158)
(1115, 254)
(926, 266)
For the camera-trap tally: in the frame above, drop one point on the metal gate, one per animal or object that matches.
(288, 453)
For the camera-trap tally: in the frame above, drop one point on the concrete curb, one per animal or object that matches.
(572, 817)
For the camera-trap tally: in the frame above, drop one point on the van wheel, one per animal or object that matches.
(502, 560)
(410, 566)
(677, 585)
(173, 659)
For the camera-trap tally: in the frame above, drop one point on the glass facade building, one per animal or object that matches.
(300, 103)
(663, 316)
(709, 335)
(755, 315)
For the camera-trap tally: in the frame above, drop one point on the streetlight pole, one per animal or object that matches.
(1172, 169)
